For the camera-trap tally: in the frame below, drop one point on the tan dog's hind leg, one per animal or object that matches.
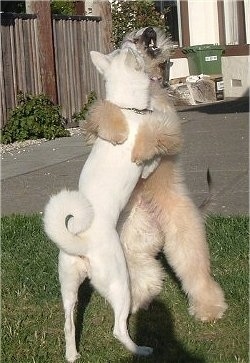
(185, 244)
(147, 275)
(141, 240)
(187, 252)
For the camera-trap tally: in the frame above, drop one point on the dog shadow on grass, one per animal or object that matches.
(155, 328)
(84, 295)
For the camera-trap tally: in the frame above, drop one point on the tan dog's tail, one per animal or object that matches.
(207, 201)
(67, 216)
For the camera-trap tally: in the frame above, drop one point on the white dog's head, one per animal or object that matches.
(126, 82)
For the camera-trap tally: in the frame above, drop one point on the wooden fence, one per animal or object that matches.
(76, 77)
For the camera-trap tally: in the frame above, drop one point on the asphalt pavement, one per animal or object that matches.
(216, 137)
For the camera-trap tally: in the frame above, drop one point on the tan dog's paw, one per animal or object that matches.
(136, 157)
(211, 305)
(116, 135)
(208, 313)
(145, 145)
(106, 120)
(142, 152)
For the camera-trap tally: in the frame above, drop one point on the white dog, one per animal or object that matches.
(84, 223)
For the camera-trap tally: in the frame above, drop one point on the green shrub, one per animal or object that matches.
(81, 115)
(62, 7)
(35, 117)
(129, 15)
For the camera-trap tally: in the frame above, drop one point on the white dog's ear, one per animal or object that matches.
(133, 59)
(100, 61)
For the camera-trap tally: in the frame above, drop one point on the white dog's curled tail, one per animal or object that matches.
(67, 215)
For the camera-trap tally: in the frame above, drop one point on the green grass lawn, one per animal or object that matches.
(32, 314)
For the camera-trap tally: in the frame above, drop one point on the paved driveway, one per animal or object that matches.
(216, 136)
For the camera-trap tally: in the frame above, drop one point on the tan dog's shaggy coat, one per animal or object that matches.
(161, 216)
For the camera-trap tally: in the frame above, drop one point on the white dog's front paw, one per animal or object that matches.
(144, 351)
(73, 357)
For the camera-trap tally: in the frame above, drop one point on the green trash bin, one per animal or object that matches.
(204, 59)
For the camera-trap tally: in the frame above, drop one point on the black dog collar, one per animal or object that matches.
(136, 110)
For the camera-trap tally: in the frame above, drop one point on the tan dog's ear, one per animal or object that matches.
(133, 59)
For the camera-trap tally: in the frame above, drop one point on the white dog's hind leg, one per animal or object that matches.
(121, 305)
(72, 272)
(110, 277)
(69, 327)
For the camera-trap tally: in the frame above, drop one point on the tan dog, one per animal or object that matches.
(161, 216)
